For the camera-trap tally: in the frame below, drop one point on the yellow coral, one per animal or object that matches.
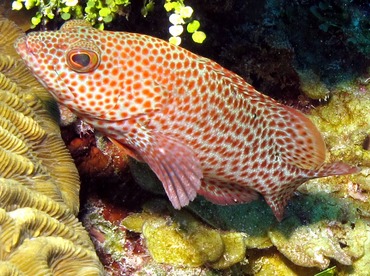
(39, 184)
(311, 85)
(182, 240)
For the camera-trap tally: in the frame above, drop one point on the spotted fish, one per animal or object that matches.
(201, 128)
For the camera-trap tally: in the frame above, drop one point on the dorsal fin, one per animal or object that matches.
(75, 23)
(307, 149)
(337, 168)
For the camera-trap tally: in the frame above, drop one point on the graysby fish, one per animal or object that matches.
(200, 127)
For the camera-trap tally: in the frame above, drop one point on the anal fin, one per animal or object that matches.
(223, 193)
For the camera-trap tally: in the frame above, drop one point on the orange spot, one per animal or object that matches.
(182, 55)
(148, 93)
(104, 58)
(139, 100)
(130, 63)
(178, 82)
(133, 109)
(146, 74)
(172, 65)
(137, 86)
(159, 59)
(145, 62)
(189, 131)
(130, 73)
(160, 70)
(115, 71)
(147, 105)
(119, 47)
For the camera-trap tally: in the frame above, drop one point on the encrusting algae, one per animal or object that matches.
(39, 184)
(190, 242)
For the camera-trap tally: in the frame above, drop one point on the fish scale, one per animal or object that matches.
(200, 127)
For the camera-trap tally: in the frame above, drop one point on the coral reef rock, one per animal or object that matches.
(39, 184)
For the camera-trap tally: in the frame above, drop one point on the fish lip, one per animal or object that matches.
(20, 45)
(24, 50)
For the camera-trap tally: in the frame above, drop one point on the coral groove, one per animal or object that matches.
(39, 183)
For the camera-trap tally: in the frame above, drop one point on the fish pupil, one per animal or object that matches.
(82, 59)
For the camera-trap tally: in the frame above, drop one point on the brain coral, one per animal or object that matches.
(39, 184)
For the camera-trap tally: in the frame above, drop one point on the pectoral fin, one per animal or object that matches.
(176, 165)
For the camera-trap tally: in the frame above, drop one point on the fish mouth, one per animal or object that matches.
(26, 52)
(28, 47)
(21, 47)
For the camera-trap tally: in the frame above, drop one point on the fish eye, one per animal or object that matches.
(82, 61)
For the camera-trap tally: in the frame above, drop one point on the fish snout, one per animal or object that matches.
(21, 46)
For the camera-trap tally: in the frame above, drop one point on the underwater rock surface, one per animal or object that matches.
(39, 184)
